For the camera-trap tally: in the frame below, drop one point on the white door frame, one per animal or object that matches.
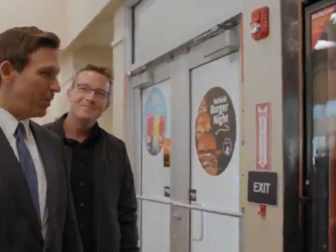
(176, 67)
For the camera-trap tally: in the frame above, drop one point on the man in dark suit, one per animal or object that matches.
(101, 176)
(36, 210)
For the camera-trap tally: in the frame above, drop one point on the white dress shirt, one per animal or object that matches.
(8, 124)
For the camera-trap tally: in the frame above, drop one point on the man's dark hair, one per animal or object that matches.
(18, 43)
(98, 69)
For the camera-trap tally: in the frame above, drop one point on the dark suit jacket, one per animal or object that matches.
(115, 205)
(20, 228)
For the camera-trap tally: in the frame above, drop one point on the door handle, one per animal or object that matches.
(201, 235)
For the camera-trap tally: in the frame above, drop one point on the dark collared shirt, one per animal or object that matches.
(82, 184)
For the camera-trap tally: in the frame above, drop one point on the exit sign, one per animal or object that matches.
(262, 187)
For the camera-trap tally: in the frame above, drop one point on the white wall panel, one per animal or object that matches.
(162, 25)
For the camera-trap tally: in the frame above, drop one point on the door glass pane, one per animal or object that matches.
(322, 175)
(155, 167)
(215, 153)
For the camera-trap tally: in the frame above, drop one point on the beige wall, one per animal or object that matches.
(99, 55)
(67, 18)
(262, 83)
(119, 67)
(46, 14)
(78, 14)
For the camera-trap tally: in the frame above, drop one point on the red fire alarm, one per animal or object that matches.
(260, 23)
(262, 210)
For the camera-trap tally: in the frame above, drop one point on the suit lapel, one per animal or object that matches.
(12, 173)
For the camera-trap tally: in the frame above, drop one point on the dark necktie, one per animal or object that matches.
(27, 165)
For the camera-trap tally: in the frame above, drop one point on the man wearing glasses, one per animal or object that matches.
(101, 177)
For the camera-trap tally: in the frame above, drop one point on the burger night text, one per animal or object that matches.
(219, 111)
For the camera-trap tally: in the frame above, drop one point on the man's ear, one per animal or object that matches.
(68, 92)
(7, 71)
(107, 104)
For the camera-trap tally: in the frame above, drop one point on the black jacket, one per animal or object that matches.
(115, 203)
(20, 229)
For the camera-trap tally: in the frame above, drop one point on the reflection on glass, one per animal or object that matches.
(323, 174)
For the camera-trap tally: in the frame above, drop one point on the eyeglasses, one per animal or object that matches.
(86, 89)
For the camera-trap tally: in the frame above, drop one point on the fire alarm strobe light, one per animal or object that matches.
(260, 23)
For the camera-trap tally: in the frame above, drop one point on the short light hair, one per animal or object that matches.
(98, 69)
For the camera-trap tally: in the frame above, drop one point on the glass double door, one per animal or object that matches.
(320, 171)
(213, 150)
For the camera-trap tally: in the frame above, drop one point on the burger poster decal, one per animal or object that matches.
(215, 131)
(155, 121)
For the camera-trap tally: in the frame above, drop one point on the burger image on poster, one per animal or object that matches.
(155, 116)
(203, 124)
(208, 152)
(215, 131)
